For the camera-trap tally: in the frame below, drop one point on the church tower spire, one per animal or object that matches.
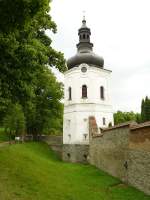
(84, 33)
(85, 52)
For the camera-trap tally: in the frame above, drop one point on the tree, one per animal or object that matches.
(138, 117)
(26, 57)
(120, 117)
(145, 109)
(47, 109)
(14, 121)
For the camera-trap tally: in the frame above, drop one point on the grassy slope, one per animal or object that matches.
(32, 172)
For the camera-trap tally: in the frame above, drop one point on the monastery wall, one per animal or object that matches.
(55, 142)
(139, 157)
(124, 152)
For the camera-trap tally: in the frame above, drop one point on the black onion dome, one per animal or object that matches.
(86, 57)
(85, 52)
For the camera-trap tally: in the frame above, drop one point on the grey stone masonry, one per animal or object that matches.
(75, 153)
(55, 143)
(109, 152)
(124, 152)
(139, 157)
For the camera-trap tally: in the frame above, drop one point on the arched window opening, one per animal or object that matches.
(70, 95)
(68, 155)
(85, 157)
(104, 121)
(102, 92)
(83, 36)
(84, 91)
(87, 36)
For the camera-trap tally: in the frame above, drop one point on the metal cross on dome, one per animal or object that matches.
(84, 15)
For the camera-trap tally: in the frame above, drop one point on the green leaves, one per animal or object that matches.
(26, 59)
(144, 116)
(121, 117)
(48, 107)
(145, 109)
(18, 14)
(14, 120)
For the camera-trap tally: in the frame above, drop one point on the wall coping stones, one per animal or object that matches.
(94, 129)
(122, 125)
(97, 135)
(139, 126)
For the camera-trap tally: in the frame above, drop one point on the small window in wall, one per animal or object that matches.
(85, 136)
(84, 91)
(70, 93)
(83, 36)
(87, 36)
(68, 155)
(102, 92)
(85, 157)
(104, 121)
(69, 136)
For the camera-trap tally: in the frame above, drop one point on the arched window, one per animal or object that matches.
(102, 92)
(70, 95)
(87, 36)
(83, 36)
(84, 91)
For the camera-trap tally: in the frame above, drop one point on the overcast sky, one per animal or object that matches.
(121, 35)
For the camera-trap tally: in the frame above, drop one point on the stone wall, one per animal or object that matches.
(139, 158)
(124, 152)
(75, 153)
(108, 151)
(55, 142)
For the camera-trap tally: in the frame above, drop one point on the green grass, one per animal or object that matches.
(31, 171)
(3, 136)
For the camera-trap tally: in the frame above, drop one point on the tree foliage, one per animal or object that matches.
(14, 120)
(121, 117)
(26, 59)
(145, 109)
(46, 109)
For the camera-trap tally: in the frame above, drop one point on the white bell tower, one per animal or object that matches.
(87, 93)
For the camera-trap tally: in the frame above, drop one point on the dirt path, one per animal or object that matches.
(3, 144)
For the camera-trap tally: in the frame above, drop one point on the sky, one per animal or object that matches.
(121, 35)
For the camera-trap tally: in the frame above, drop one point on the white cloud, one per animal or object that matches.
(120, 33)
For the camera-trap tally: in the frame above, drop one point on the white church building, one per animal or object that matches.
(87, 93)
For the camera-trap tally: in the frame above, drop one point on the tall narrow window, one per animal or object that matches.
(102, 92)
(83, 36)
(70, 95)
(104, 121)
(84, 91)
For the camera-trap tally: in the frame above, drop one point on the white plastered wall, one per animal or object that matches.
(78, 110)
